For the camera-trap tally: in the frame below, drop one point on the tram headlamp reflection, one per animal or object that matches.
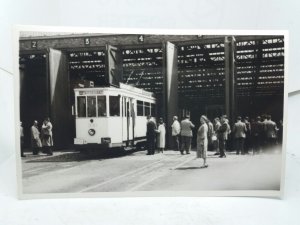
(91, 132)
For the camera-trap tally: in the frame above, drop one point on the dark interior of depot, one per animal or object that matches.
(255, 82)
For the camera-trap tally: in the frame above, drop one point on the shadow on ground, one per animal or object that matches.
(189, 168)
(77, 156)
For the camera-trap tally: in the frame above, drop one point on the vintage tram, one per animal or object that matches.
(112, 117)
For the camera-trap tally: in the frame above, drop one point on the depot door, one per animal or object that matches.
(113, 65)
(60, 104)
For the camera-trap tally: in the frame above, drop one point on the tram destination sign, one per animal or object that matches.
(91, 92)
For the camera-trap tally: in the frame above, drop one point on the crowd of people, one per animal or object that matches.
(41, 138)
(256, 135)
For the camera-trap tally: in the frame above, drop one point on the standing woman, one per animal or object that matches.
(47, 139)
(202, 140)
(161, 139)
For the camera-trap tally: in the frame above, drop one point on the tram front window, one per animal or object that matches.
(153, 110)
(101, 106)
(147, 108)
(91, 100)
(114, 106)
(81, 106)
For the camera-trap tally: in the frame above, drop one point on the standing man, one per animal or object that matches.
(217, 125)
(210, 133)
(186, 134)
(271, 130)
(176, 132)
(47, 138)
(223, 132)
(280, 132)
(264, 136)
(22, 140)
(257, 134)
(35, 138)
(239, 130)
(151, 132)
(248, 135)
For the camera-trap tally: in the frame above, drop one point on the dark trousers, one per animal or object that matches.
(22, 147)
(176, 142)
(271, 142)
(247, 143)
(47, 150)
(257, 143)
(36, 150)
(240, 145)
(151, 145)
(186, 144)
(222, 146)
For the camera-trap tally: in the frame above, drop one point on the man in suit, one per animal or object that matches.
(239, 130)
(271, 130)
(186, 135)
(222, 133)
(257, 132)
(247, 144)
(151, 133)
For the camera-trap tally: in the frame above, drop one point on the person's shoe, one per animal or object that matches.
(188, 153)
(217, 153)
(50, 153)
(181, 153)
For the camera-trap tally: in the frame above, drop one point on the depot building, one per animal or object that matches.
(189, 74)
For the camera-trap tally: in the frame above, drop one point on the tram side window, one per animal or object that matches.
(101, 106)
(140, 108)
(114, 105)
(91, 106)
(147, 108)
(81, 106)
(153, 110)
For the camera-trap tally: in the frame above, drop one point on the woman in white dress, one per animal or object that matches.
(161, 136)
(202, 140)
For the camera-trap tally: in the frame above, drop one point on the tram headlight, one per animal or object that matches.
(91, 132)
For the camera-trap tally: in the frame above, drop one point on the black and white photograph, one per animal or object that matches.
(151, 113)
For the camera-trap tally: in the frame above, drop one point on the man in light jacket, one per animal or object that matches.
(176, 132)
(186, 134)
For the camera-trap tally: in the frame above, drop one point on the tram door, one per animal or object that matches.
(128, 120)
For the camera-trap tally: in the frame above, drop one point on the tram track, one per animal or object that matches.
(140, 177)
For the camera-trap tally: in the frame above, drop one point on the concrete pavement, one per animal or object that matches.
(72, 172)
